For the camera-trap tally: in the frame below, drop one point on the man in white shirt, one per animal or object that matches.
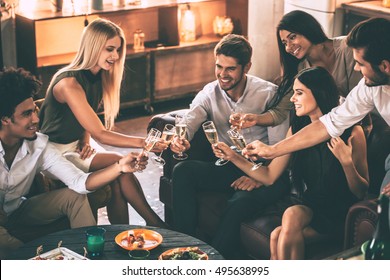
(233, 90)
(24, 152)
(370, 41)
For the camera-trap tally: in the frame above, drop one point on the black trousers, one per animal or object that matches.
(191, 177)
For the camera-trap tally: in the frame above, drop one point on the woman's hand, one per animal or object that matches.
(248, 120)
(257, 150)
(245, 183)
(85, 150)
(342, 151)
(222, 150)
(239, 120)
(133, 162)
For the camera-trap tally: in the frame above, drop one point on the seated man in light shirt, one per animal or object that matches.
(233, 90)
(24, 152)
(370, 41)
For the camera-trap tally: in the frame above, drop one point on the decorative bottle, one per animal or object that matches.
(188, 26)
(139, 38)
(379, 246)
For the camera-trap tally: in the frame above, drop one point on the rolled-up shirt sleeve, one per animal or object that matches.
(356, 106)
(57, 167)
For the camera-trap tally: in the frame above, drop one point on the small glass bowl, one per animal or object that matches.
(140, 254)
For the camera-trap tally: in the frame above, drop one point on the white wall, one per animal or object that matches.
(264, 15)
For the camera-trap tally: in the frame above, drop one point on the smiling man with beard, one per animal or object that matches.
(232, 91)
(24, 152)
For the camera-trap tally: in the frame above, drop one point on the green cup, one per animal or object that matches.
(140, 254)
(95, 242)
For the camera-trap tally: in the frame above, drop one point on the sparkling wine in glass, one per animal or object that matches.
(240, 143)
(237, 115)
(212, 135)
(181, 130)
(167, 135)
(151, 139)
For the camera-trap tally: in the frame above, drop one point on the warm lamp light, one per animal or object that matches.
(27, 6)
(187, 26)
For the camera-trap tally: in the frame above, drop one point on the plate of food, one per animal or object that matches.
(137, 239)
(60, 253)
(184, 253)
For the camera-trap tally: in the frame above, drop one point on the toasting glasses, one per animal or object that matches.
(181, 130)
(236, 116)
(151, 140)
(240, 143)
(212, 135)
(167, 135)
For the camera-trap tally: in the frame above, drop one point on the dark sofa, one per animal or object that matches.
(255, 233)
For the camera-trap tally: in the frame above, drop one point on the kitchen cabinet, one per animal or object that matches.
(166, 69)
(356, 12)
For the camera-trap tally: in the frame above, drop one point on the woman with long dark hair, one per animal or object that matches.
(302, 43)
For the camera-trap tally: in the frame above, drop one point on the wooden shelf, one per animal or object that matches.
(367, 9)
(61, 59)
(165, 69)
(107, 8)
(359, 11)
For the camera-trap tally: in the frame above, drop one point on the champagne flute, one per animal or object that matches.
(236, 115)
(212, 135)
(181, 130)
(240, 143)
(151, 140)
(167, 135)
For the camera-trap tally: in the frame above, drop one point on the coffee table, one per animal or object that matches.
(74, 239)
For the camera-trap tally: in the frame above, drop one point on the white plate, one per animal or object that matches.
(60, 253)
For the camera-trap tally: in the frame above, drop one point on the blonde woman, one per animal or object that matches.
(68, 115)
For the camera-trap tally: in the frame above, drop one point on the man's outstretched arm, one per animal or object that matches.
(309, 136)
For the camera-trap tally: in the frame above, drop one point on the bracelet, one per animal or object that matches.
(121, 172)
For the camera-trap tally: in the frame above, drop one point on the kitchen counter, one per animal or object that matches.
(358, 11)
(367, 9)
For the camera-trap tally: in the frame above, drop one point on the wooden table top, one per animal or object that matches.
(74, 239)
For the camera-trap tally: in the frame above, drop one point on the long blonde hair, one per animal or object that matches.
(93, 40)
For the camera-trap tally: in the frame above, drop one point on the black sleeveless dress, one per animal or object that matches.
(324, 187)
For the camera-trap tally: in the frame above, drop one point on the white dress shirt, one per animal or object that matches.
(213, 103)
(359, 102)
(33, 157)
